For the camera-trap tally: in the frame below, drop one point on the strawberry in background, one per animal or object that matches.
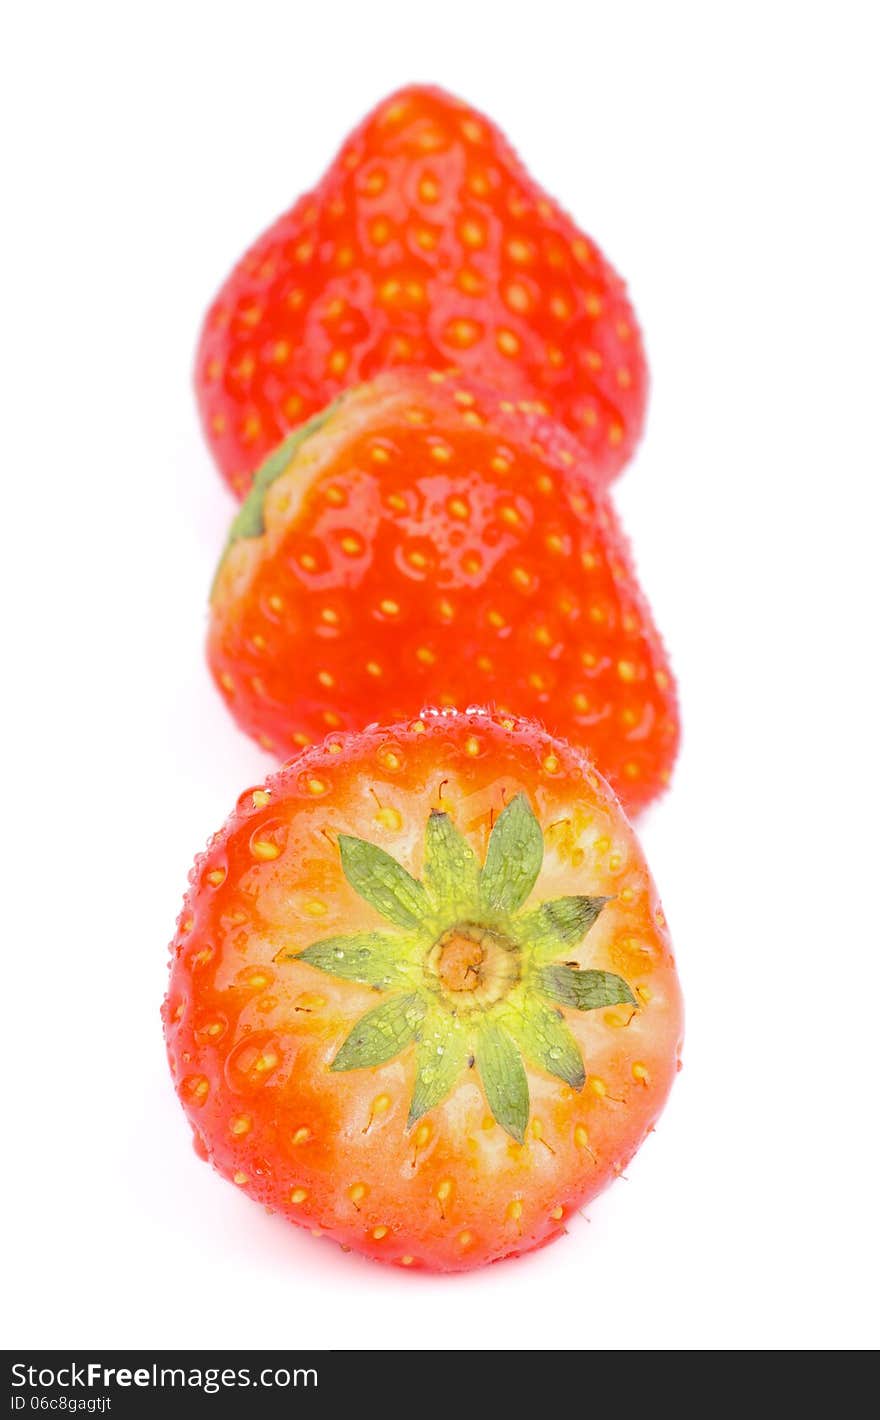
(426, 243)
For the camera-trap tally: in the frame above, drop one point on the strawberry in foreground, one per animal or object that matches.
(426, 243)
(423, 543)
(422, 998)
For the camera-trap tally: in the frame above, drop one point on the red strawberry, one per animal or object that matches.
(422, 998)
(422, 543)
(426, 243)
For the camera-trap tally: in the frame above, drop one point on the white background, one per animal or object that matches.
(725, 158)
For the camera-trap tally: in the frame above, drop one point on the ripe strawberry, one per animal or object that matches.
(424, 544)
(426, 243)
(422, 997)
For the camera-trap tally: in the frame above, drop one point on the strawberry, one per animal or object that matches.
(426, 243)
(422, 998)
(422, 542)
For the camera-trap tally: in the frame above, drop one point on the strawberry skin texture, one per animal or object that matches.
(430, 544)
(251, 1037)
(427, 244)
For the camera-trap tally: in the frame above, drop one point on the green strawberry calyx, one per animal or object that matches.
(249, 521)
(472, 976)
